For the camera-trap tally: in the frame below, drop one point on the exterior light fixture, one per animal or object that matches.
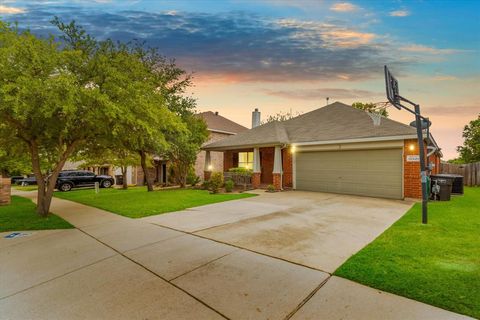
(411, 147)
(210, 167)
(293, 149)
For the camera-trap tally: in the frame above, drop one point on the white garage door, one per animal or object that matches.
(374, 173)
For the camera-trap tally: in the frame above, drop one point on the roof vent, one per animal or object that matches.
(376, 118)
(216, 113)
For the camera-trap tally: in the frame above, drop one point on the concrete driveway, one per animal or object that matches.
(317, 230)
(268, 257)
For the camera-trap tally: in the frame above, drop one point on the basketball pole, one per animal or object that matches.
(395, 99)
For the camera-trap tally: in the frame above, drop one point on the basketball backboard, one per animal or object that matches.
(392, 88)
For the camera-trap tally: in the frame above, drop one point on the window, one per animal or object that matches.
(245, 160)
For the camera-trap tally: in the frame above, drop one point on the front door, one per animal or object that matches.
(266, 162)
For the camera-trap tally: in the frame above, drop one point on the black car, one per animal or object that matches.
(81, 178)
(14, 179)
(27, 181)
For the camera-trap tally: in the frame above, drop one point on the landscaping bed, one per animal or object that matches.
(437, 263)
(20, 215)
(137, 202)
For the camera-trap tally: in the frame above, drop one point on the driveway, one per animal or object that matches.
(268, 257)
(317, 230)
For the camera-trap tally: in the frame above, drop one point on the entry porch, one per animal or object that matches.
(271, 165)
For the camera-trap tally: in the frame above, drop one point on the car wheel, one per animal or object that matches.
(106, 184)
(65, 187)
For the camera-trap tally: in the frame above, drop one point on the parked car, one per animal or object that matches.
(27, 181)
(67, 180)
(14, 179)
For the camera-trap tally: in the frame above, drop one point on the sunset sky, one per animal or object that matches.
(284, 55)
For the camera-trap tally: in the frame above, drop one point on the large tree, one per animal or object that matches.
(470, 151)
(370, 107)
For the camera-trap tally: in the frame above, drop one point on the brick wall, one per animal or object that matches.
(5, 197)
(287, 168)
(411, 171)
(216, 158)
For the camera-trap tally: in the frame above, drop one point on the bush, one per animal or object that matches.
(216, 181)
(206, 185)
(229, 184)
(271, 188)
(242, 171)
(192, 178)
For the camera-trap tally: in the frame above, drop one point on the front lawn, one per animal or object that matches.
(137, 202)
(20, 215)
(25, 188)
(438, 263)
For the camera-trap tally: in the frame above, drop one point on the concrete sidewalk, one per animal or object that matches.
(113, 267)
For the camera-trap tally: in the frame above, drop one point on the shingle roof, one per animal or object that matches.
(336, 121)
(218, 123)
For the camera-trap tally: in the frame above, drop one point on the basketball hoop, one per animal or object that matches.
(376, 118)
(391, 84)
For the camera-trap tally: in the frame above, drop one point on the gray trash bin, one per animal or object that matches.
(445, 184)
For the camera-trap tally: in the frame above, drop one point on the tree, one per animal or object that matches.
(470, 151)
(185, 146)
(370, 107)
(281, 116)
(13, 155)
(47, 104)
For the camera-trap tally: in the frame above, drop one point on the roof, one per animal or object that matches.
(334, 122)
(216, 122)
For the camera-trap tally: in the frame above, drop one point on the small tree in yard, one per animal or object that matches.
(470, 151)
(185, 146)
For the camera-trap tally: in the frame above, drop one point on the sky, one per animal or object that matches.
(289, 56)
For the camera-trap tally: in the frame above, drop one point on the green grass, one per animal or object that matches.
(137, 202)
(25, 188)
(20, 215)
(437, 263)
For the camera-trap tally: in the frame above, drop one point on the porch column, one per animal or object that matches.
(277, 168)
(257, 169)
(207, 171)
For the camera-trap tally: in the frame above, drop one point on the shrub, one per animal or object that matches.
(216, 181)
(229, 184)
(205, 185)
(242, 171)
(192, 178)
(271, 188)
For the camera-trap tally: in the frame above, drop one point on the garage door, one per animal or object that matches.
(374, 173)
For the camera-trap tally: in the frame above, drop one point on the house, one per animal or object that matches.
(336, 149)
(219, 128)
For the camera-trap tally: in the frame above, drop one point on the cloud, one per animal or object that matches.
(453, 111)
(418, 48)
(399, 13)
(322, 93)
(237, 46)
(10, 10)
(444, 78)
(343, 7)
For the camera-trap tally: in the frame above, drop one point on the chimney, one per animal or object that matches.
(255, 118)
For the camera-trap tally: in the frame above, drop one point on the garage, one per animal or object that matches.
(374, 173)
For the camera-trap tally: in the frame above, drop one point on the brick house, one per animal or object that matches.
(336, 149)
(219, 128)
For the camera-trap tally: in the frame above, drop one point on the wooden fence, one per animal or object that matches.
(469, 171)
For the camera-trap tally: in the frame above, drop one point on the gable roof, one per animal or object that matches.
(216, 122)
(336, 121)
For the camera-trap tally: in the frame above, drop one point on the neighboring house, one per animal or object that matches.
(336, 149)
(219, 128)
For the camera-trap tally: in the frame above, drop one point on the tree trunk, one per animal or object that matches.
(143, 163)
(124, 180)
(46, 183)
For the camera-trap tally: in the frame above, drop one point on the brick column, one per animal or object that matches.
(5, 197)
(256, 180)
(207, 171)
(277, 181)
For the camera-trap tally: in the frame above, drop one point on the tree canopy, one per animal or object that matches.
(370, 107)
(470, 151)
